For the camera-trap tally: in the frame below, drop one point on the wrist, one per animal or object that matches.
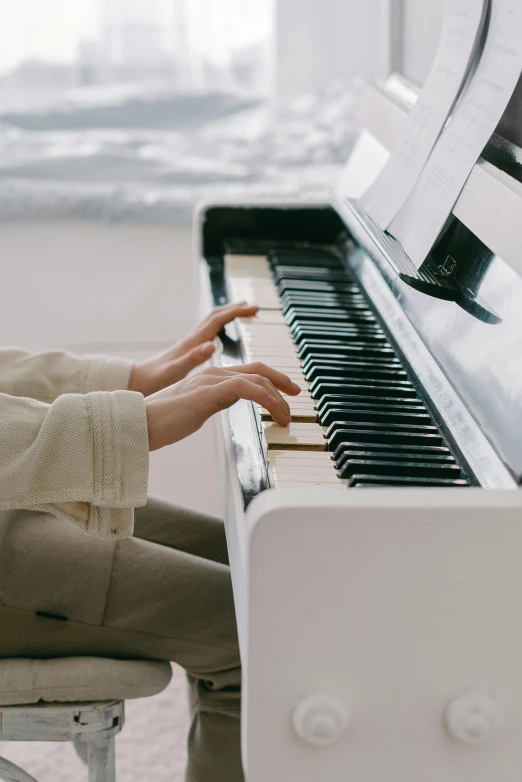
(142, 379)
(153, 427)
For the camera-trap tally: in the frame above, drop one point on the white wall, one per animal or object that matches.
(112, 289)
(323, 42)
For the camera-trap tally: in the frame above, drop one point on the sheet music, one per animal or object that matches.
(420, 221)
(463, 26)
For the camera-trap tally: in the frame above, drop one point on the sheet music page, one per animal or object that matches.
(463, 26)
(420, 221)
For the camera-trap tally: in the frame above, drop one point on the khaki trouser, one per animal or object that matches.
(164, 594)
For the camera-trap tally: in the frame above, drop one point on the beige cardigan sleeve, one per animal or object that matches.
(45, 376)
(84, 457)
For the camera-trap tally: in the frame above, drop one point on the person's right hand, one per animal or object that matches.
(180, 410)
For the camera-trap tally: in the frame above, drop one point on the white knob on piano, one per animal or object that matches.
(472, 718)
(320, 720)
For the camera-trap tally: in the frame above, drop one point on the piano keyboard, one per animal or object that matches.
(359, 421)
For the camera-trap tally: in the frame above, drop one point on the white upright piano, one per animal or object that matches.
(376, 544)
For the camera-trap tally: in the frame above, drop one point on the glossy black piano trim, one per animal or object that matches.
(246, 441)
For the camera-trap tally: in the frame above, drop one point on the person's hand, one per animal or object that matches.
(175, 363)
(180, 410)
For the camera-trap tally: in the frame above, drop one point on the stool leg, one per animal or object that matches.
(101, 761)
(11, 773)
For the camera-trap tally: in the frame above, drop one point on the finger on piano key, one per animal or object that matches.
(297, 435)
(274, 361)
(300, 414)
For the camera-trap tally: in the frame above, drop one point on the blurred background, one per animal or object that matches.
(116, 118)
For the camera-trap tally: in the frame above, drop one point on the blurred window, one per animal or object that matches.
(195, 44)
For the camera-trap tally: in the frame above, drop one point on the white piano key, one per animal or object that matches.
(299, 457)
(299, 415)
(277, 362)
(264, 316)
(322, 472)
(308, 485)
(263, 328)
(296, 435)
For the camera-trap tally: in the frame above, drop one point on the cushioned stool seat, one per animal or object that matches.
(80, 679)
(79, 699)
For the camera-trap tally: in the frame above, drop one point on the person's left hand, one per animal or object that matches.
(175, 363)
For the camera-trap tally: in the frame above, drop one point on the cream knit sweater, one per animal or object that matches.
(71, 442)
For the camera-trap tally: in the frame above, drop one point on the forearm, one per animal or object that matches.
(46, 376)
(85, 458)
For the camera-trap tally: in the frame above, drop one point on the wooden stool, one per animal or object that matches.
(79, 699)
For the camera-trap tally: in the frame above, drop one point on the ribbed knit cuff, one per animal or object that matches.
(121, 448)
(108, 374)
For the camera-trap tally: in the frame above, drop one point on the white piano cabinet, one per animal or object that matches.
(383, 636)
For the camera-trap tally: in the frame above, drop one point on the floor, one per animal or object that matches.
(111, 289)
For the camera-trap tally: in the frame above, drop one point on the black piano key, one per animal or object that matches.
(400, 469)
(401, 454)
(349, 401)
(303, 301)
(308, 274)
(322, 383)
(346, 333)
(304, 286)
(300, 259)
(338, 415)
(340, 347)
(384, 434)
(303, 259)
(381, 426)
(361, 327)
(298, 308)
(295, 316)
(308, 300)
(376, 481)
(324, 386)
(302, 335)
(390, 450)
(336, 327)
(369, 409)
(391, 364)
(339, 400)
(353, 370)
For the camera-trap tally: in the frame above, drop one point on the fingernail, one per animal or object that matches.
(207, 349)
(272, 399)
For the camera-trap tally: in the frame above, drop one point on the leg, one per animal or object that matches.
(130, 598)
(101, 760)
(185, 530)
